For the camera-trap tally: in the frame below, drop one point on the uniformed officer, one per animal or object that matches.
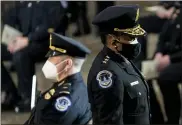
(117, 90)
(169, 57)
(66, 102)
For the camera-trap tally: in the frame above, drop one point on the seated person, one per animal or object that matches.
(33, 19)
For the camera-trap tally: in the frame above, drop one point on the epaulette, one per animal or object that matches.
(106, 59)
(62, 88)
(49, 94)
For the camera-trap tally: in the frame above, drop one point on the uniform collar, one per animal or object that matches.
(73, 77)
(68, 79)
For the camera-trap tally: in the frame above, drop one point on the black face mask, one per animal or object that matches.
(130, 51)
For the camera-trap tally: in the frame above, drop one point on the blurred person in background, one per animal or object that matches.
(153, 24)
(33, 19)
(169, 57)
(66, 102)
(78, 11)
(117, 91)
(101, 5)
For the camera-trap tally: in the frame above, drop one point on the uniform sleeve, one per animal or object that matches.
(177, 57)
(108, 98)
(55, 13)
(163, 38)
(58, 111)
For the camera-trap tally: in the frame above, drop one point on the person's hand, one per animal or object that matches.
(21, 42)
(161, 12)
(164, 62)
(11, 46)
(169, 13)
(175, 14)
(158, 57)
(165, 13)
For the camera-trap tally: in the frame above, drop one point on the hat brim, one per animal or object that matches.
(136, 31)
(52, 53)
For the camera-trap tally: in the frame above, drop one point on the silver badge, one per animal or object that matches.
(62, 103)
(104, 78)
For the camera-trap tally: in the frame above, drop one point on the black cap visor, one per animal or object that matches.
(52, 53)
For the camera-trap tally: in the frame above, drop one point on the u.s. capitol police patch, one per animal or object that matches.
(104, 78)
(62, 103)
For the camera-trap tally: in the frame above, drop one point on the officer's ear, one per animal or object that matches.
(69, 64)
(111, 40)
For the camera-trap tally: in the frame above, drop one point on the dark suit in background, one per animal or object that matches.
(170, 43)
(33, 19)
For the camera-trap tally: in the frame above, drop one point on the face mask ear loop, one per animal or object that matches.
(60, 71)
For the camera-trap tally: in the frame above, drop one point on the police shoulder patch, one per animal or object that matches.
(62, 103)
(104, 78)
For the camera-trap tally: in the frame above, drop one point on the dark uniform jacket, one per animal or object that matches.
(34, 18)
(117, 91)
(64, 104)
(170, 40)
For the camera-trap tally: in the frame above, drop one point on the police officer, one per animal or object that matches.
(66, 102)
(169, 57)
(117, 90)
(33, 19)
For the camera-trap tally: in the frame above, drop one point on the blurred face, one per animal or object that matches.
(57, 68)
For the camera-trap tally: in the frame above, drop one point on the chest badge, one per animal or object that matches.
(62, 103)
(104, 78)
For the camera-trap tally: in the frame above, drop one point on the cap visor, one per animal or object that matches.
(52, 53)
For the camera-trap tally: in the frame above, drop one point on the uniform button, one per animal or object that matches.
(148, 97)
(29, 5)
(150, 115)
(178, 26)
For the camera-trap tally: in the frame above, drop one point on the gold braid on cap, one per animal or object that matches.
(137, 15)
(51, 30)
(136, 31)
(57, 49)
